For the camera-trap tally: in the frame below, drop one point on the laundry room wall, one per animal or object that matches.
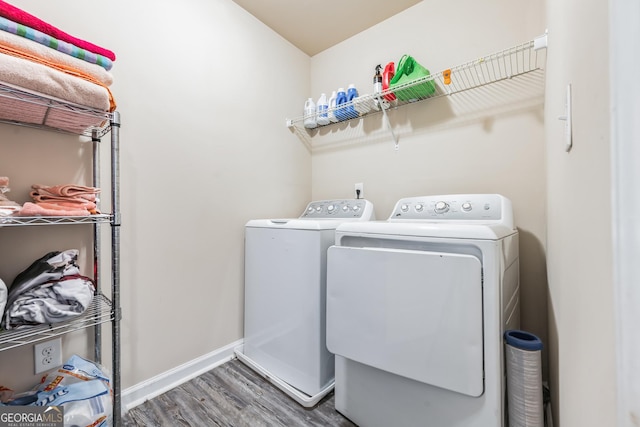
(483, 141)
(203, 89)
(582, 360)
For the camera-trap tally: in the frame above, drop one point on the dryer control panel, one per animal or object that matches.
(467, 207)
(342, 208)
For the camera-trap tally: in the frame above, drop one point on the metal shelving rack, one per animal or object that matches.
(23, 108)
(507, 64)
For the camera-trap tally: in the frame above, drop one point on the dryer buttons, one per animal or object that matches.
(466, 206)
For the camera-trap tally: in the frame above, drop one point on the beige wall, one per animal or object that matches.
(485, 141)
(203, 89)
(581, 328)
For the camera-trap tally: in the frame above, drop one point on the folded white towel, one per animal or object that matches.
(48, 81)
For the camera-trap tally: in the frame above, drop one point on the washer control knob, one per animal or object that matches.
(331, 208)
(345, 208)
(318, 208)
(356, 208)
(310, 209)
(419, 207)
(466, 206)
(404, 208)
(441, 207)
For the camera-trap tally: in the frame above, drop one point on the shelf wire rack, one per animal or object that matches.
(505, 65)
(99, 311)
(15, 221)
(23, 108)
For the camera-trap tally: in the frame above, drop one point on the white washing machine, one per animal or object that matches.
(416, 309)
(285, 297)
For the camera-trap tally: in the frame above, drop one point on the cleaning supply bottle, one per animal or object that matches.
(352, 93)
(387, 75)
(377, 80)
(341, 109)
(310, 114)
(379, 102)
(322, 106)
(332, 107)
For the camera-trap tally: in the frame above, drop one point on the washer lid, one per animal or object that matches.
(423, 228)
(297, 224)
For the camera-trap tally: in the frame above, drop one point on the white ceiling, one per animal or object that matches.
(315, 25)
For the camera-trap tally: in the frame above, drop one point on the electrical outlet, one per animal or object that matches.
(47, 355)
(359, 189)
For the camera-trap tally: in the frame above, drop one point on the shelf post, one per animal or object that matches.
(115, 266)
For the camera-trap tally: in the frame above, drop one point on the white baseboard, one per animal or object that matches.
(141, 392)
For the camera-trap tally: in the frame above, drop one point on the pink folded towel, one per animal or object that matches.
(20, 16)
(36, 209)
(43, 196)
(61, 200)
(4, 181)
(62, 204)
(68, 190)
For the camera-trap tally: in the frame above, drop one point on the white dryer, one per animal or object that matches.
(285, 297)
(416, 309)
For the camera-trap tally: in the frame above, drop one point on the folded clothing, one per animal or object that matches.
(7, 50)
(46, 40)
(67, 190)
(46, 209)
(51, 82)
(61, 200)
(18, 15)
(48, 55)
(50, 290)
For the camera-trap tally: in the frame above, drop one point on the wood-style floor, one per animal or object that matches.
(231, 395)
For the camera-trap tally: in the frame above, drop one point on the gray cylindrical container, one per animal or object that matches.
(524, 379)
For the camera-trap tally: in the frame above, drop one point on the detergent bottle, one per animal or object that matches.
(352, 93)
(310, 114)
(341, 109)
(332, 107)
(322, 107)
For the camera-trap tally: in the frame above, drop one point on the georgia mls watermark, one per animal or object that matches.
(31, 416)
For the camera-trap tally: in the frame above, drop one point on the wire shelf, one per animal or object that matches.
(19, 107)
(14, 221)
(100, 311)
(505, 65)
